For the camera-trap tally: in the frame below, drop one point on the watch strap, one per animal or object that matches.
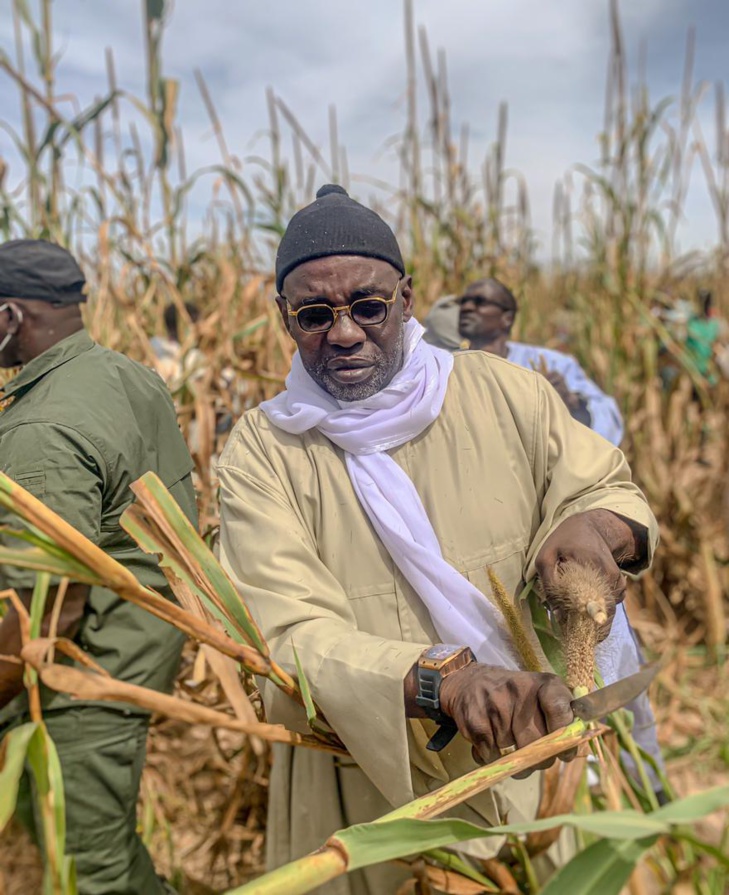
(431, 670)
(443, 735)
(428, 697)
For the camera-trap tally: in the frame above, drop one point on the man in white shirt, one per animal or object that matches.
(482, 318)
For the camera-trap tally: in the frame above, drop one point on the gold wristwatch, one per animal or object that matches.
(434, 664)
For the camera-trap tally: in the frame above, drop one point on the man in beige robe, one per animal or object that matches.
(507, 479)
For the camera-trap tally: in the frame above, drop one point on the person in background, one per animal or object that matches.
(179, 367)
(176, 366)
(79, 425)
(361, 511)
(703, 332)
(482, 319)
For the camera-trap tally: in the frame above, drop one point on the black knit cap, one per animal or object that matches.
(334, 224)
(35, 268)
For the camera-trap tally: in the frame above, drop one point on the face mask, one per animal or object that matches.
(8, 336)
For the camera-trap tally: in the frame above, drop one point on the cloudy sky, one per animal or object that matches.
(547, 60)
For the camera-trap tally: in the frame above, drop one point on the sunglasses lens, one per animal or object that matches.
(369, 311)
(317, 319)
(478, 301)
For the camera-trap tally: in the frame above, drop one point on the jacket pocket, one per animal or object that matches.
(33, 481)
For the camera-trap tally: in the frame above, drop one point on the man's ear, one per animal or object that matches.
(408, 299)
(508, 318)
(15, 318)
(283, 311)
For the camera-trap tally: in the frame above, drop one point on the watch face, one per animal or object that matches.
(441, 651)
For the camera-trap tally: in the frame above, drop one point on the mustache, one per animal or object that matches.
(348, 363)
(338, 359)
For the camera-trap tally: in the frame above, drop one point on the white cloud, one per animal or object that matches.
(547, 60)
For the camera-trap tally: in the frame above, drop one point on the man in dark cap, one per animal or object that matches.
(360, 512)
(79, 424)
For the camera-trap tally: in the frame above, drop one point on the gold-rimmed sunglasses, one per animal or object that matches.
(368, 311)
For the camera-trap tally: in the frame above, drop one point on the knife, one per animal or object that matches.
(588, 708)
(609, 699)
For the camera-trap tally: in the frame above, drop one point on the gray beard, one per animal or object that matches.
(382, 376)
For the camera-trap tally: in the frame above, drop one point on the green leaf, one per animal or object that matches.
(545, 633)
(251, 328)
(452, 861)
(603, 867)
(14, 749)
(198, 567)
(623, 825)
(60, 874)
(312, 716)
(694, 807)
(47, 557)
(46, 769)
(377, 842)
(87, 116)
(40, 561)
(150, 543)
(37, 612)
(718, 854)
(386, 840)
(305, 690)
(38, 603)
(31, 535)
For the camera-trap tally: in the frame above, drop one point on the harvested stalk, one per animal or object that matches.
(339, 855)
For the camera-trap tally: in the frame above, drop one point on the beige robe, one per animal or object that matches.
(499, 469)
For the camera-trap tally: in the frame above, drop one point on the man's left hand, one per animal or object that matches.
(559, 383)
(596, 538)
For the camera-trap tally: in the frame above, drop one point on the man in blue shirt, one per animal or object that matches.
(482, 319)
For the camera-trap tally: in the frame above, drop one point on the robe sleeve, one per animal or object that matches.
(576, 470)
(355, 678)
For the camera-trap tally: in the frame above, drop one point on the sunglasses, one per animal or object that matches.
(370, 311)
(478, 301)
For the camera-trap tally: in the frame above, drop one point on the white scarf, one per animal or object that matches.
(365, 430)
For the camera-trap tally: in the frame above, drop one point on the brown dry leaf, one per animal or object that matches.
(501, 875)
(119, 579)
(226, 672)
(93, 686)
(225, 669)
(447, 881)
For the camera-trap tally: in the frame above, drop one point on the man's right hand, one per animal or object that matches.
(494, 708)
(69, 618)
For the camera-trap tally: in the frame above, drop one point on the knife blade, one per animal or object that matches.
(609, 699)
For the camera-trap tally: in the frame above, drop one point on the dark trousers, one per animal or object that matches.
(102, 754)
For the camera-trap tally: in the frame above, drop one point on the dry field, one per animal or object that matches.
(203, 797)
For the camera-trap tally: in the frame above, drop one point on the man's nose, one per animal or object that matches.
(345, 332)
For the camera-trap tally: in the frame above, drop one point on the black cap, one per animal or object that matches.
(35, 268)
(334, 224)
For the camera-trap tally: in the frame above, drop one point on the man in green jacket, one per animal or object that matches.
(79, 424)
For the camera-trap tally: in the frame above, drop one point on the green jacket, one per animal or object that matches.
(81, 423)
(701, 337)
